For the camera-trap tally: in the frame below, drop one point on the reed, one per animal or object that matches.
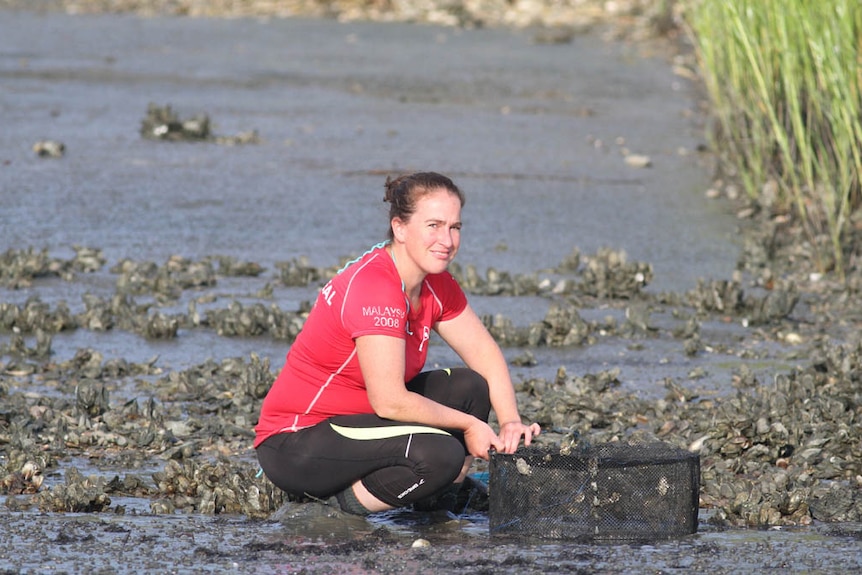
(785, 81)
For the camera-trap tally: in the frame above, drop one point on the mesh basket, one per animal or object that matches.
(612, 491)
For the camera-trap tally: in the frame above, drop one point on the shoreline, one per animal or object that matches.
(632, 19)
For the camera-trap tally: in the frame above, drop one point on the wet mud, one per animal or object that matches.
(150, 286)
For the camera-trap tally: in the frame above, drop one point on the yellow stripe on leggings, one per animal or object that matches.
(369, 433)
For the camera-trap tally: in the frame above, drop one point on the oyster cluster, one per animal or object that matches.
(163, 123)
(18, 268)
(174, 423)
(26, 480)
(607, 274)
(77, 494)
(161, 285)
(779, 452)
(784, 452)
(211, 488)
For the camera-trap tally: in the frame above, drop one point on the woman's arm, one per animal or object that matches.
(381, 359)
(471, 341)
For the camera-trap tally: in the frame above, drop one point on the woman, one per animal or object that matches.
(352, 414)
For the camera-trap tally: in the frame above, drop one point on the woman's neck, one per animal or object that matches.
(411, 276)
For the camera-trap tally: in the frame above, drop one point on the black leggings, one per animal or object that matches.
(399, 463)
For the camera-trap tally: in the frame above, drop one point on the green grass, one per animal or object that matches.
(785, 81)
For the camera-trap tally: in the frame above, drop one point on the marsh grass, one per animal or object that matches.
(785, 81)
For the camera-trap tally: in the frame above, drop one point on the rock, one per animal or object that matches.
(638, 161)
(49, 149)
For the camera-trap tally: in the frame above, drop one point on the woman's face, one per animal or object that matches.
(433, 233)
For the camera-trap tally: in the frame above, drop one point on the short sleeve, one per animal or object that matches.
(449, 295)
(373, 305)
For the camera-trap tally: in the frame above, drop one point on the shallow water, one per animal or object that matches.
(339, 106)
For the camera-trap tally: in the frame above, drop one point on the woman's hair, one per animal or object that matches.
(404, 192)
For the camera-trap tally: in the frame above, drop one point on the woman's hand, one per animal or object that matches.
(512, 431)
(480, 438)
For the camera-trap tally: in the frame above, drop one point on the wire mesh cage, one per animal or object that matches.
(610, 491)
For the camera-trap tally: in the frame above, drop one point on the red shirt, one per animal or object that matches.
(321, 377)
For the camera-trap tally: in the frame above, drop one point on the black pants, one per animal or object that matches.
(399, 463)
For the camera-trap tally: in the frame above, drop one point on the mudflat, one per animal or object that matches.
(151, 288)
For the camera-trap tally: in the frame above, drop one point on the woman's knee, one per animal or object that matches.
(475, 389)
(440, 457)
(434, 461)
(460, 388)
(473, 380)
